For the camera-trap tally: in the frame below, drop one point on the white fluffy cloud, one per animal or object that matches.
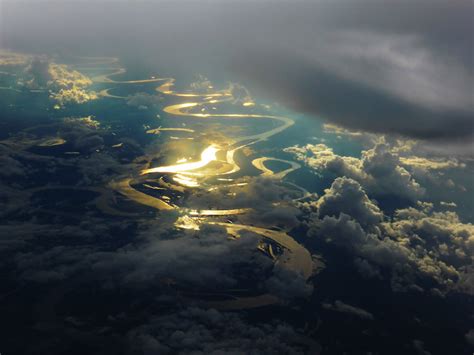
(415, 246)
(207, 257)
(64, 84)
(378, 170)
(347, 196)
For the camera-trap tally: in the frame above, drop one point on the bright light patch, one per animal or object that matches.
(208, 155)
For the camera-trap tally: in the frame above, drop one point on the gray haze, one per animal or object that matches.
(403, 67)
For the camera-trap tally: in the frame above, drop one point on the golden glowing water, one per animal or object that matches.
(187, 175)
(208, 155)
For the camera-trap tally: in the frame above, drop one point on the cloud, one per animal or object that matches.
(366, 269)
(37, 73)
(384, 168)
(442, 233)
(416, 245)
(269, 198)
(368, 73)
(406, 266)
(348, 62)
(12, 200)
(346, 196)
(65, 250)
(144, 101)
(69, 86)
(64, 84)
(199, 331)
(288, 285)
(420, 347)
(413, 152)
(98, 168)
(276, 215)
(55, 264)
(466, 282)
(378, 170)
(207, 258)
(470, 336)
(430, 164)
(257, 192)
(342, 307)
(13, 58)
(12, 167)
(316, 90)
(83, 133)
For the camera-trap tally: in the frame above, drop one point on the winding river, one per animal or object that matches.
(191, 174)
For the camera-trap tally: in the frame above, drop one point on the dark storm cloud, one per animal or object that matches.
(402, 67)
(313, 89)
(390, 66)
